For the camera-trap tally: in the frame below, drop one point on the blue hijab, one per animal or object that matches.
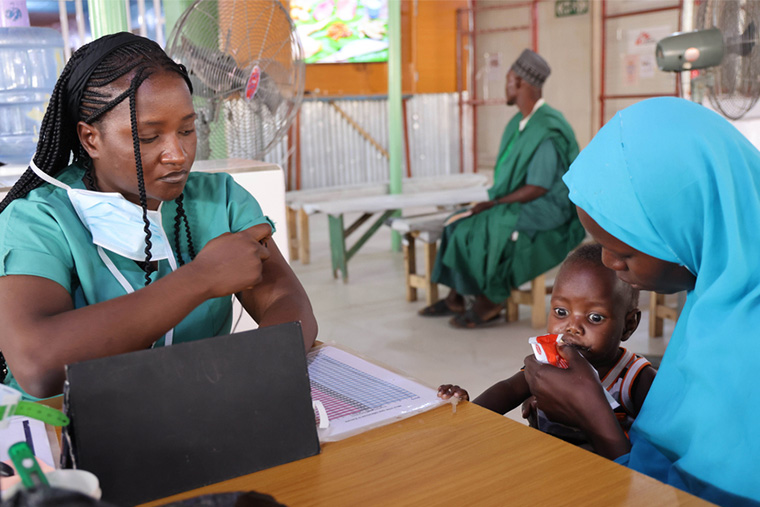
(676, 181)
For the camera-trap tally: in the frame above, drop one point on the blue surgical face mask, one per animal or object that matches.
(115, 223)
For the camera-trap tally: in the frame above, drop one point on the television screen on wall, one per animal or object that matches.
(342, 31)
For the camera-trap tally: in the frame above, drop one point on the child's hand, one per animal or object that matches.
(529, 408)
(446, 391)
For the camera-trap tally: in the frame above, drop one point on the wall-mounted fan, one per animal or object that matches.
(246, 65)
(725, 48)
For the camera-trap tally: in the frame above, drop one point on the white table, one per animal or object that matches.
(385, 206)
(302, 203)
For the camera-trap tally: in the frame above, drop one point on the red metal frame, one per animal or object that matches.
(406, 138)
(298, 149)
(292, 171)
(534, 22)
(603, 97)
(473, 100)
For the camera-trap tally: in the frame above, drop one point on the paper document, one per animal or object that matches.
(31, 431)
(359, 395)
(458, 216)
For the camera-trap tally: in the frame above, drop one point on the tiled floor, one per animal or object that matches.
(370, 315)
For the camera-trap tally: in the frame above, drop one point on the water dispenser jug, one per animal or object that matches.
(31, 58)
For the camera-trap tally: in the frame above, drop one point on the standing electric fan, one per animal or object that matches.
(725, 49)
(246, 65)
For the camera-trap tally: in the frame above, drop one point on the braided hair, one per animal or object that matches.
(58, 139)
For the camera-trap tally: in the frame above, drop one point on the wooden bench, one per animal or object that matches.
(302, 203)
(428, 230)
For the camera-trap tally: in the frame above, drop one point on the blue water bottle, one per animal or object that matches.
(31, 59)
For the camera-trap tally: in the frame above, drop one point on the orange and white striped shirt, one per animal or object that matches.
(618, 383)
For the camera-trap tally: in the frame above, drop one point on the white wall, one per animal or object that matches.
(630, 44)
(749, 124)
(566, 44)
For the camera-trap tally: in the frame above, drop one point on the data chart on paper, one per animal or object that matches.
(358, 395)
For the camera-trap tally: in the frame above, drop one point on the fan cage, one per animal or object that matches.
(734, 85)
(221, 43)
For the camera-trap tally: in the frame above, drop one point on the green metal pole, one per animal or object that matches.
(107, 16)
(395, 119)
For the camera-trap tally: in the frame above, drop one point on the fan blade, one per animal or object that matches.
(269, 93)
(216, 70)
(743, 44)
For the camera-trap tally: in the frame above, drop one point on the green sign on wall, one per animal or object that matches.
(564, 8)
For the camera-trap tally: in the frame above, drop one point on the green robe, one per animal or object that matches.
(477, 254)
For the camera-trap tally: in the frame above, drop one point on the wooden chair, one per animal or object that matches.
(535, 297)
(659, 311)
(298, 244)
(426, 229)
(414, 280)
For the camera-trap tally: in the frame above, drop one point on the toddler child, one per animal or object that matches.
(595, 312)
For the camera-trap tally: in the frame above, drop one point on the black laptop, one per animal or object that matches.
(158, 422)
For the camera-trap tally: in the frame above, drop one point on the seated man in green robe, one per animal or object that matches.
(529, 225)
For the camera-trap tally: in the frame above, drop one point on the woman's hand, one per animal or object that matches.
(575, 397)
(565, 395)
(233, 262)
(279, 297)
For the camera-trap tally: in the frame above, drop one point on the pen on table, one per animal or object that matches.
(28, 435)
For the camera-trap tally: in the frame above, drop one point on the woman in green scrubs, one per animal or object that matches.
(124, 248)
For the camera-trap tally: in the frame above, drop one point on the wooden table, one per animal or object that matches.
(471, 457)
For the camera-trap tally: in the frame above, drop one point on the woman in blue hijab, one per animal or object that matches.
(671, 190)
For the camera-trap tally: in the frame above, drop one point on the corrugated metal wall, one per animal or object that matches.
(434, 134)
(334, 153)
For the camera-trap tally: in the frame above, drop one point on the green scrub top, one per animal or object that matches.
(42, 235)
